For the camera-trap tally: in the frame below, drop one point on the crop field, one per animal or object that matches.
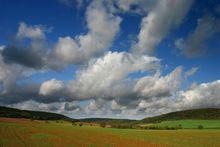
(189, 124)
(24, 132)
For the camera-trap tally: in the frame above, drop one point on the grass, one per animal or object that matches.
(22, 132)
(189, 124)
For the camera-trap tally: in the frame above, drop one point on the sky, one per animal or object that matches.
(110, 58)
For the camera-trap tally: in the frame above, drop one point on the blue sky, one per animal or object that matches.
(58, 19)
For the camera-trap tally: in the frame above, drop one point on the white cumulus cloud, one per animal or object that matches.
(51, 87)
(104, 75)
(166, 15)
(102, 29)
(156, 86)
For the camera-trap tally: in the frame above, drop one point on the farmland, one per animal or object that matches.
(24, 132)
(188, 124)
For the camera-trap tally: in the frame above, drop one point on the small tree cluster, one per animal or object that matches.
(122, 126)
(200, 127)
(103, 125)
(46, 121)
(155, 127)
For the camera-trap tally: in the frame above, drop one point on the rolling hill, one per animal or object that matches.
(39, 115)
(194, 114)
(110, 121)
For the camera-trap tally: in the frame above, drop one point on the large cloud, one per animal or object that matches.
(157, 86)
(10, 73)
(52, 87)
(198, 96)
(29, 48)
(22, 55)
(58, 107)
(19, 93)
(203, 95)
(141, 7)
(103, 27)
(157, 24)
(196, 43)
(107, 75)
(117, 6)
(32, 32)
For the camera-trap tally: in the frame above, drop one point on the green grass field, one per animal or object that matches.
(189, 124)
(21, 132)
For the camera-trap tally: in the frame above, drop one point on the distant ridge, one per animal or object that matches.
(38, 115)
(108, 120)
(200, 114)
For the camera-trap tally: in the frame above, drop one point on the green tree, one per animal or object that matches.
(200, 127)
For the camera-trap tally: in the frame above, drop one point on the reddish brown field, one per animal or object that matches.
(23, 132)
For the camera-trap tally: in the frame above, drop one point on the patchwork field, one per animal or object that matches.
(188, 124)
(23, 132)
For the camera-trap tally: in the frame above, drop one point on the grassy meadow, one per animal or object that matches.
(188, 124)
(24, 132)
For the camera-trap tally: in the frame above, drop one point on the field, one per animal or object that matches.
(189, 124)
(23, 132)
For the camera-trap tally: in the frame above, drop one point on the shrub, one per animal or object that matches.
(74, 124)
(200, 127)
(80, 124)
(130, 126)
(172, 128)
(180, 126)
(102, 125)
(152, 127)
(125, 126)
(167, 127)
(46, 121)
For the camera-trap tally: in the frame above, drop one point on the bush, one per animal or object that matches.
(167, 127)
(46, 121)
(124, 126)
(74, 123)
(200, 127)
(102, 125)
(179, 126)
(130, 126)
(172, 128)
(152, 127)
(80, 124)
(155, 127)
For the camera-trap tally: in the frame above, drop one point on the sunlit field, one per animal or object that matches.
(24, 132)
(188, 124)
